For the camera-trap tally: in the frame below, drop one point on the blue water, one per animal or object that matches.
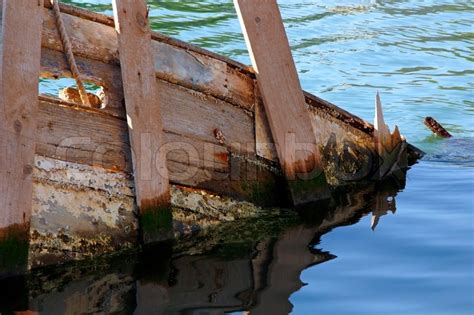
(418, 261)
(419, 55)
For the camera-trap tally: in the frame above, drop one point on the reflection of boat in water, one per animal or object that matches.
(237, 267)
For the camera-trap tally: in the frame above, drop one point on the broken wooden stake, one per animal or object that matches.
(144, 118)
(284, 102)
(20, 53)
(390, 147)
(436, 127)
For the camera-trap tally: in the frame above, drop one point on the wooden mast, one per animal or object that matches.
(20, 55)
(143, 116)
(283, 98)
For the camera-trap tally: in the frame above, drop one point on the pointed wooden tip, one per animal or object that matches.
(396, 136)
(381, 130)
(379, 121)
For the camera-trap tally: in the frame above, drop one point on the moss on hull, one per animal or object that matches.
(14, 249)
(156, 223)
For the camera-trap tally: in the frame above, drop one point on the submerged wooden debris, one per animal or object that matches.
(436, 127)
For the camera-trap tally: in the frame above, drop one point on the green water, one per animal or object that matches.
(420, 259)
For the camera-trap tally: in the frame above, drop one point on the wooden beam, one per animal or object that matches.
(20, 54)
(144, 118)
(281, 91)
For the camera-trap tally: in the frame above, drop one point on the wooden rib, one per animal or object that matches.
(142, 105)
(19, 71)
(278, 82)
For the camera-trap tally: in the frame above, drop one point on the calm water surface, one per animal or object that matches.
(419, 55)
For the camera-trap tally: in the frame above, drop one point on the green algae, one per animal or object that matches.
(156, 224)
(265, 193)
(14, 248)
(309, 190)
(238, 238)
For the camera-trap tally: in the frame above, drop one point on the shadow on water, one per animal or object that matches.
(252, 265)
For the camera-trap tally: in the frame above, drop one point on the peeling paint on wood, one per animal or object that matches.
(80, 211)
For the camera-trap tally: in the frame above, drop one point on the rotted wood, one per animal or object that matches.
(210, 116)
(436, 127)
(144, 114)
(19, 72)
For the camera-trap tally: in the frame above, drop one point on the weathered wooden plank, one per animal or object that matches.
(20, 48)
(90, 137)
(436, 127)
(281, 91)
(182, 110)
(144, 115)
(278, 83)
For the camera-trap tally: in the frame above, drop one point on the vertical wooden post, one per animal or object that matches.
(20, 53)
(144, 117)
(283, 98)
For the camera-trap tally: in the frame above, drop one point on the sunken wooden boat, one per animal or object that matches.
(220, 152)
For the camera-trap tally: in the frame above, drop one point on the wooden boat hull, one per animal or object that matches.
(217, 140)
